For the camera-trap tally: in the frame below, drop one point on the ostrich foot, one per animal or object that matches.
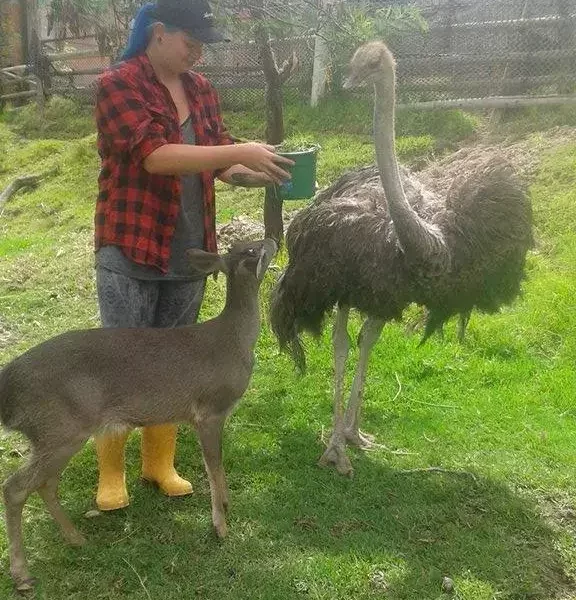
(335, 454)
(362, 440)
(366, 441)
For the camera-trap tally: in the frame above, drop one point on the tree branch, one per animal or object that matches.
(288, 68)
(24, 182)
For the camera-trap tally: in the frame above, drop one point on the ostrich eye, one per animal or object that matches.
(251, 251)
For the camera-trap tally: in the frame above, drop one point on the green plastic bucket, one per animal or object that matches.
(303, 183)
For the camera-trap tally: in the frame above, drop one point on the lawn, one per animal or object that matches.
(498, 410)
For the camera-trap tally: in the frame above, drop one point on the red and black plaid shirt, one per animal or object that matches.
(135, 115)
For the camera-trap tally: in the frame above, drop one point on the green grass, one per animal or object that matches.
(536, 118)
(501, 407)
(62, 119)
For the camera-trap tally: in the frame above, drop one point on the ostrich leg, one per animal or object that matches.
(336, 451)
(462, 324)
(369, 335)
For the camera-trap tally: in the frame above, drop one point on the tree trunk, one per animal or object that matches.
(24, 182)
(273, 222)
(321, 59)
(274, 112)
(273, 219)
(275, 78)
(34, 50)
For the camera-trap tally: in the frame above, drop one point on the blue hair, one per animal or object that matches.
(140, 32)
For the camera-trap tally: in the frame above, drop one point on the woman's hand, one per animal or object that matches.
(263, 161)
(242, 176)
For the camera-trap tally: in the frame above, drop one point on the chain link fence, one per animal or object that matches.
(471, 50)
(484, 49)
(234, 69)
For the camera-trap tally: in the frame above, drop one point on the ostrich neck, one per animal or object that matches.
(419, 239)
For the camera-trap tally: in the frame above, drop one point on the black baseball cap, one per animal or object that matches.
(195, 17)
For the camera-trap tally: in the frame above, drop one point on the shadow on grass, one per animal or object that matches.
(297, 530)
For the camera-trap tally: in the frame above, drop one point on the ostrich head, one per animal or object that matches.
(369, 62)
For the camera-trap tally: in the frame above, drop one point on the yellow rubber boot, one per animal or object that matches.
(112, 493)
(158, 449)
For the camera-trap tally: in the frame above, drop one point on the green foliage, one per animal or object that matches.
(110, 19)
(75, 17)
(447, 127)
(280, 19)
(297, 143)
(350, 24)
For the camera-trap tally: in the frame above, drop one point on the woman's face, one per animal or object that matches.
(180, 50)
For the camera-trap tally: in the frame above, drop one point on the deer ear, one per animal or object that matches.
(261, 266)
(205, 262)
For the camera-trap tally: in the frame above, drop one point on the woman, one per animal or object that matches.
(162, 142)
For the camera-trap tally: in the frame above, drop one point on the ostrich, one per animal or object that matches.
(376, 241)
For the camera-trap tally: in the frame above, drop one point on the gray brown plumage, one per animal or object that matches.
(376, 240)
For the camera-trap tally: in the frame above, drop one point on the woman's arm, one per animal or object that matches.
(257, 159)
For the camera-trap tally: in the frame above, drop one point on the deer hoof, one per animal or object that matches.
(75, 538)
(221, 530)
(25, 585)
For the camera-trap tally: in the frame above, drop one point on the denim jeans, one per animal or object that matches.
(128, 302)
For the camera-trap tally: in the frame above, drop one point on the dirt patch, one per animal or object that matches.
(242, 228)
(239, 229)
(6, 335)
(525, 155)
(559, 510)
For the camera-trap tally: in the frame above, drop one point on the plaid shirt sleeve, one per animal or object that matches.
(124, 122)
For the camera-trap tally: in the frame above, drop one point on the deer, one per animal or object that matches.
(76, 384)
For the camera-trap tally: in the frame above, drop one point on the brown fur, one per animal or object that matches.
(64, 390)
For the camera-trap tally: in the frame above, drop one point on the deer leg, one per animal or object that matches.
(41, 468)
(210, 435)
(335, 453)
(16, 490)
(369, 335)
(49, 494)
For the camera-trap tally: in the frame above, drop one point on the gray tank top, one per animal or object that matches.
(189, 233)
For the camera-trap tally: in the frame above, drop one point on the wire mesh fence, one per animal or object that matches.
(496, 48)
(471, 50)
(235, 70)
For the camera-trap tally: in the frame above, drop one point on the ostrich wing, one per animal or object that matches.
(365, 184)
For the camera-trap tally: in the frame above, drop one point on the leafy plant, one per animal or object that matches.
(108, 20)
(351, 24)
(281, 19)
(297, 143)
